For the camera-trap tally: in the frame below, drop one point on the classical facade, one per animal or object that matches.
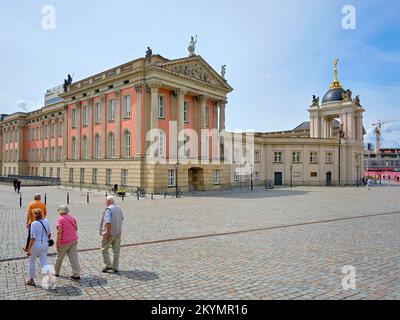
(121, 127)
(327, 150)
(154, 122)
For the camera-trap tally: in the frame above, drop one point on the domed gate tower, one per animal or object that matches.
(338, 103)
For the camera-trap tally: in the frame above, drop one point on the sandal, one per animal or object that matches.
(31, 283)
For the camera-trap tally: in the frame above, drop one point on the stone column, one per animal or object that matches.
(139, 92)
(215, 136)
(78, 111)
(49, 140)
(56, 134)
(103, 127)
(65, 134)
(203, 105)
(181, 105)
(222, 115)
(117, 124)
(154, 88)
(42, 156)
(90, 129)
(20, 143)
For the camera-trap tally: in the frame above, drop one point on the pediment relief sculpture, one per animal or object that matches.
(194, 70)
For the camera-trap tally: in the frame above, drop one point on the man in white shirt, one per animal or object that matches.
(111, 230)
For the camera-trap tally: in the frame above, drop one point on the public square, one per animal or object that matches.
(289, 243)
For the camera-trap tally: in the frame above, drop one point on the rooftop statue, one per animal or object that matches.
(149, 53)
(192, 46)
(223, 71)
(315, 101)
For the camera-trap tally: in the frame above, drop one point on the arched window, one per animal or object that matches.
(97, 146)
(111, 145)
(161, 143)
(127, 143)
(73, 149)
(84, 147)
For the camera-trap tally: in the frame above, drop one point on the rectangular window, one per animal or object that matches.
(329, 158)
(124, 177)
(52, 130)
(314, 174)
(111, 110)
(171, 178)
(186, 112)
(108, 176)
(216, 177)
(44, 172)
(97, 112)
(257, 175)
(51, 173)
(127, 107)
(73, 118)
(58, 172)
(94, 176)
(60, 129)
(46, 131)
(257, 156)
(236, 176)
(296, 157)
(53, 154)
(71, 175)
(161, 107)
(37, 133)
(278, 157)
(313, 157)
(82, 176)
(85, 116)
(207, 117)
(46, 154)
(60, 155)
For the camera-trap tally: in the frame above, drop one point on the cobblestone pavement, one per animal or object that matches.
(281, 244)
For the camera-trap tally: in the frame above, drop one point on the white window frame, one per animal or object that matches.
(186, 112)
(111, 110)
(161, 143)
(85, 116)
(171, 177)
(296, 157)
(127, 143)
(124, 177)
(235, 176)
(127, 106)
(161, 106)
(97, 146)
(73, 118)
(97, 112)
(217, 177)
(108, 176)
(278, 156)
(313, 157)
(94, 176)
(111, 145)
(329, 157)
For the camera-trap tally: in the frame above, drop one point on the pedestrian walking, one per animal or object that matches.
(35, 204)
(18, 186)
(369, 183)
(111, 230)
(67, 242)
(38, 244)
(15, 184)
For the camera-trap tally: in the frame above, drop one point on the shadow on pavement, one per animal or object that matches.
(92, 281)
(140, 275)
(67, 291)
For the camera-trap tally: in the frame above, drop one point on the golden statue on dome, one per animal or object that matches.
(336, 83)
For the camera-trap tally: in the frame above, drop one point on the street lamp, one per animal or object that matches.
(358, 168)
(176, 179)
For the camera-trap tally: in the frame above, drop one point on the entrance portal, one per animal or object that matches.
(278, 178)
(196, 179)
(329, 179)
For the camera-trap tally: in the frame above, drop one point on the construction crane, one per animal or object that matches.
(378, 135)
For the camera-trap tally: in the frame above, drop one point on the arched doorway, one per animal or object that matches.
(196, 179)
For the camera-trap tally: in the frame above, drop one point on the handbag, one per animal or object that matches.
(50, 241)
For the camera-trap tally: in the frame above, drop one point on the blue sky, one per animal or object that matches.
(278, 53)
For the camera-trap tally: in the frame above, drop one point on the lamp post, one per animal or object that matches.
(176, 178)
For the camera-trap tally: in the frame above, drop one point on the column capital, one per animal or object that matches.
(103, 97)
(204, 98)
(180, 91)
(117, 93)
(154, 86)
(139, 87)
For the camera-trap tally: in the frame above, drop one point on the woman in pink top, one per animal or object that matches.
(67, 242)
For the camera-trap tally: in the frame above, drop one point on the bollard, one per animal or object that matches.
(123, 195)
(106, 194)
(87, 197)
(20, 200)
(45, 198)
(165, 195)
(152, 197)
(67, 197)
(138, 196)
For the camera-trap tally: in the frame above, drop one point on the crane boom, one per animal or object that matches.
(378, 134)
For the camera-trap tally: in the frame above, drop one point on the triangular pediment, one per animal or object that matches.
(196, 67)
